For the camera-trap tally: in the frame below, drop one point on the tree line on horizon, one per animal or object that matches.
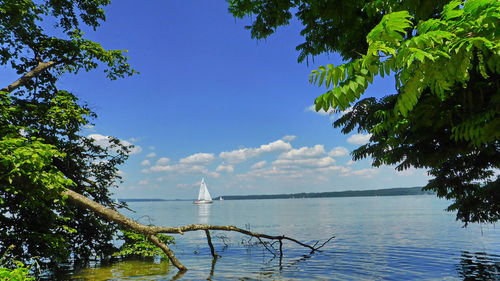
(347, 193)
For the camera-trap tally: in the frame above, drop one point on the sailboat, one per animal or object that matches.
(203, 195)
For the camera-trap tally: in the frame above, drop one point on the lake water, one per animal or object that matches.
(377, 238)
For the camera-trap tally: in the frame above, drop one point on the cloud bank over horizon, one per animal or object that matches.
(276, 163)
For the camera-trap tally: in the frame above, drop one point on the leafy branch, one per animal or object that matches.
(440, 54)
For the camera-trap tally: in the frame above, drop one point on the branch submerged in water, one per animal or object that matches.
(152, 231)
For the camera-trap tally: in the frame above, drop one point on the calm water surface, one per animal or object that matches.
(377, 238)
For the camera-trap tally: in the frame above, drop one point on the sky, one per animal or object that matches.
(212, 102)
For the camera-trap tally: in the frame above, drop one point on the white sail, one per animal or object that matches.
(203, 194)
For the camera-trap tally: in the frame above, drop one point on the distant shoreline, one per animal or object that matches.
(348, 193)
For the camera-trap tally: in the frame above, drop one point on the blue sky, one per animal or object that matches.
(212, 102)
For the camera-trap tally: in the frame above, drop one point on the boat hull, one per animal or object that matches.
(203, 202)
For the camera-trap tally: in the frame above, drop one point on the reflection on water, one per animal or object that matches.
(472, 266)
(204, 213)
(123, 270)
(397, 238)
(479, 266)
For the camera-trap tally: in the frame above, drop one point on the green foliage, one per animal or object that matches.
(440, 55)
(21, 34)
(12, 270)
(42, 149)
(328, 25)
(138, 245)
(444, 116)
(20, 273)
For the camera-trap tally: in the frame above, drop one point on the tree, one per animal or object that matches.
(329, 25)
(444, 116)
(42, 151)
(54, 182)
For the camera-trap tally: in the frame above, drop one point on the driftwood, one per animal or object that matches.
(152, 231)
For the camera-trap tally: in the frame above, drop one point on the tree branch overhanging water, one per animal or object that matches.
(151, 231)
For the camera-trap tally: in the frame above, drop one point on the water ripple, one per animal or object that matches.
(393, 238)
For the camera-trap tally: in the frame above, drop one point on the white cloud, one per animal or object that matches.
(104, 141)
(144, 182)
(180, 168)
(320, 112)
(135, 150)
(331, 112)
(193, 164)
(300, 171)
(151, 155)
(159, 168)
(350, 162)
(304, 152)
(300, 163)
(198, 158)
(100, 139)
(243, 154)
(408, 172)
(344, 112)
(259, 165)
(338, 151)
(366, 173)
(183, 186)
(162, 161)
(128, 187)
(213, 174)
(225, 168)
(344, 170)
(359, 139)
(288, 138)
(269, 173)
(278, 145)
(146, 163)
(237, 156)
(89, 127)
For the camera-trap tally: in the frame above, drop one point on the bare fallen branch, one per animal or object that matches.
(168, 252)
(151, 231)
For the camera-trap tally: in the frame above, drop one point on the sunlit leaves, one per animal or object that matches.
(24, 43)
(42, 147)
(391, 28)
(16, 272)
(138, 245)
(445, 60)
(438, 56)
(445, 116)
(29, 157)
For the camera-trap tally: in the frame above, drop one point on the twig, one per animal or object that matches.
(324, 243)
(209, 240)
(264, 244)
